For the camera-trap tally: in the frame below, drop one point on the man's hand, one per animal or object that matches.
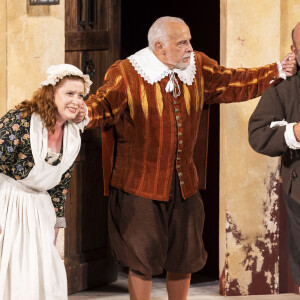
(289, 64)
(81, 113)
(297, 131)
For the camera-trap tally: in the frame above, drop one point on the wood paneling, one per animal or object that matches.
(88, 258)
(82, 41)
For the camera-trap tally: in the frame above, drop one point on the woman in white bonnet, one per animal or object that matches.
(38, 146)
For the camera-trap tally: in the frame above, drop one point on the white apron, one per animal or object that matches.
(30, 266)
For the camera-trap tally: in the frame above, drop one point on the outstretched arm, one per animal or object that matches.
(226, 85)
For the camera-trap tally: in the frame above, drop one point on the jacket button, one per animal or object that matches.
(293, 174)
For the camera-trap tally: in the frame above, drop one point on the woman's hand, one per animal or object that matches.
(56, 229)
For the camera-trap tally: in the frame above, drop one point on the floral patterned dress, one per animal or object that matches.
(16, 160)
(32, 195)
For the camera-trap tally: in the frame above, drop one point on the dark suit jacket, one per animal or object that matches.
(279, 102)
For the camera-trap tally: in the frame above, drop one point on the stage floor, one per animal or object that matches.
(199, 290)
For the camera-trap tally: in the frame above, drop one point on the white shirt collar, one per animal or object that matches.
(153, 70)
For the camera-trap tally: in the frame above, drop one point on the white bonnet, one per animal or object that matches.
(57, 72)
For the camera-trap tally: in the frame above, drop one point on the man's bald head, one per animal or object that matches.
(296, 42)
(296, 32)
(170, 40)
(158, 30)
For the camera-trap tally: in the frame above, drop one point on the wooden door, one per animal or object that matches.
(92, 43)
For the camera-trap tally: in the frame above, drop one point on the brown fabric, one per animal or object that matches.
(293, 211)
(146, 128)
(200, 157)
(148, 236)
(281, 102)
(108, 146)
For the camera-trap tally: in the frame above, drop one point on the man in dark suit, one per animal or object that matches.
(274, 130)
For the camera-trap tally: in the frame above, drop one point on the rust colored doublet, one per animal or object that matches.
(153, 129)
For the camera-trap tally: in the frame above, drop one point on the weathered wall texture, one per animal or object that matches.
(34, 39)
(3, 57)
(290, 15)
(31, 39)
(253, 33)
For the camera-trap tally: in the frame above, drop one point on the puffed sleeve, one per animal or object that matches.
(107, 105)
(9, 139)
(226, 85)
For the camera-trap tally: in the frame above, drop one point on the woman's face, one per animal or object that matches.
(68, 98)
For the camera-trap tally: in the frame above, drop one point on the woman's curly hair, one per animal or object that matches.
(43, 103)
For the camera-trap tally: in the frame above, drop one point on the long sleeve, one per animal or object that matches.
(106, 107)
(263, 138)
(16, 159)
(226, 85)
(58, 196)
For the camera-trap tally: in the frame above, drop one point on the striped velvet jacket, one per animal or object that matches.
(152, 129)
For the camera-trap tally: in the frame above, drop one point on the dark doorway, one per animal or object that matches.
(203, 18)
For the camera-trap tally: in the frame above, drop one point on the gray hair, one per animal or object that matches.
(157, 31)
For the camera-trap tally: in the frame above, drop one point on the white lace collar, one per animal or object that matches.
(153, 70)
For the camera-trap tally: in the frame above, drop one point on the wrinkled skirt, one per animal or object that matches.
(30, 266)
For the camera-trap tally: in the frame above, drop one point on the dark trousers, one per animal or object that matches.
(149, 236)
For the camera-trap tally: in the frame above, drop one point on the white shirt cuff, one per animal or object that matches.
(290, 138)
(278, 123)
(280, 71)
(85, 121)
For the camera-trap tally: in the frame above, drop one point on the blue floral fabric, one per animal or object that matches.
(16, 159)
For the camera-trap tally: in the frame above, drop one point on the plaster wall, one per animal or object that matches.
(253, 33)
(34, 40)
(290, 16)
(3, 46)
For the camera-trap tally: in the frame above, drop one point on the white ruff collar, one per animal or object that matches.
(153, 70)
